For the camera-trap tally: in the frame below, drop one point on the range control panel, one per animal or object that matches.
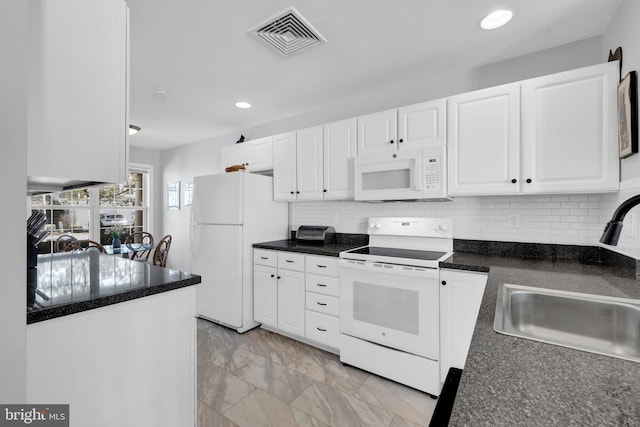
(418, 227)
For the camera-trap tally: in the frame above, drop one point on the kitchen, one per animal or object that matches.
(477, 218)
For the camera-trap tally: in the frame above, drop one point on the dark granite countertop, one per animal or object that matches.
(67, 283)
(509, 381)
(344, 243)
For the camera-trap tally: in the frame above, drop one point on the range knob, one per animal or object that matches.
(374, 225)
(443, 226)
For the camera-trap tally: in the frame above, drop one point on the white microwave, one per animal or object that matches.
(418, 174)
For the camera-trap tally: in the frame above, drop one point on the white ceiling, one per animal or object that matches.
(201, 53)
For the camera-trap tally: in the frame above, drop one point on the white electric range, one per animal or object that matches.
(389, 300)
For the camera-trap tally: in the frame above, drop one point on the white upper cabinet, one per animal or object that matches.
(78, 77)
(569, 133)
(339, 149)
(377, 133)
(413, 126)
(553, 134)
(284, 167)
(423, 124)
(484, 141)
(309, 163)
(315, 163)
(254, 155)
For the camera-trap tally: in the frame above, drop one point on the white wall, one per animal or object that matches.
(624, 31)
(13, 173)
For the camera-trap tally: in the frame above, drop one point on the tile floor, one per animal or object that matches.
(260, 378)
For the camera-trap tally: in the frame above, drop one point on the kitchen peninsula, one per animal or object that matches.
(113, 338)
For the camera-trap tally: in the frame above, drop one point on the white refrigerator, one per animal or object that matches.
(229, 213)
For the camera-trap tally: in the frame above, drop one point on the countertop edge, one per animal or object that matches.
(80, 306)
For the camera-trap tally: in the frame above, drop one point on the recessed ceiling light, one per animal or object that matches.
(496, 19)
(133, 129)
(242, 104)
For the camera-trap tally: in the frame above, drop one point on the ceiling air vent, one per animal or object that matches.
(288, 32)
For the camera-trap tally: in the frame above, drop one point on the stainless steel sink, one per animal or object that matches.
(594, 323)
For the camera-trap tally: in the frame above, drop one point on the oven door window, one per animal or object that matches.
(390, 308)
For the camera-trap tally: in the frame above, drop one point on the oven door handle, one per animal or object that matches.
(385, 268)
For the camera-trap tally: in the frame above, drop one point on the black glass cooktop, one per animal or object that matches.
(399, 253)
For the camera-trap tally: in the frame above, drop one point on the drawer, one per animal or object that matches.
(265, 257)
(323, 304)
(325, 265)
(290, 261)
(322, 328)
(323, 284)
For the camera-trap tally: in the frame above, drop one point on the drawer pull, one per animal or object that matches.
(321, 303)
(264, 257)
(321, 266)
(289, 260)
(321, 329)
(322, 285)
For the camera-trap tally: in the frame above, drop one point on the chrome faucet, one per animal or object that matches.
(612, 230)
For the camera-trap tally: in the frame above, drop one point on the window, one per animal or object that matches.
(87, 213)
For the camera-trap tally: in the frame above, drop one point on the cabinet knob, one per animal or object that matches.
(246, 164)
(513, 181)
(444, 283)
(324, 191)
(273, 275)
(401, 140)
(297, 192)
(278, 277)
(391, 142)
(528, 180)
(292, 192)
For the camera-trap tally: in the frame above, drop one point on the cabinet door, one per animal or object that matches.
(260, 154)
(570, 131)
(309, 163)
(460, 297)
(284, 167)
(377, 133)
(231, 155)
(339, 151)
(265, 295)
(422, 124)
(484, 141)
(78, 112)
(291, 303)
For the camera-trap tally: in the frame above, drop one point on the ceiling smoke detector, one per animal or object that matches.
(288, 32)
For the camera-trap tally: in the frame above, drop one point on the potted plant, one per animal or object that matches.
(115, 232)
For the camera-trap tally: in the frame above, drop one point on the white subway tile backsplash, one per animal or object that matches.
(564, 219)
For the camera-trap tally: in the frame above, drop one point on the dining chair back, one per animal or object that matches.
(161, 253)
(140, 245)
(62, 242)
(84, 245)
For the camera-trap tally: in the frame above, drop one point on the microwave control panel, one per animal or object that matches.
(432, 173)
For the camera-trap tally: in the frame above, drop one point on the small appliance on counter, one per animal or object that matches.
(35, 235)
(316, 234)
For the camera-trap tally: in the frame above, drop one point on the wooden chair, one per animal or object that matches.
(62, 242)
(161, 253)
(139, 238)
(84, 245)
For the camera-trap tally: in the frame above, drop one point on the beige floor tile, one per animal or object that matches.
(261, 409)
(220, 389)
(207, 417)
(406, 402)
(274, 347)
(327, 368)
(284, 383)
(337, 408)
(398, 421)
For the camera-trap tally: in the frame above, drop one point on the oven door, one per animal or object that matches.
(385, 178)
(391, 305)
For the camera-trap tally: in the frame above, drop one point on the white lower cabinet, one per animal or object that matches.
(461, 293)
(297, 294)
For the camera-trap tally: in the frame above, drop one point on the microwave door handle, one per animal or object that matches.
(417, 174)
